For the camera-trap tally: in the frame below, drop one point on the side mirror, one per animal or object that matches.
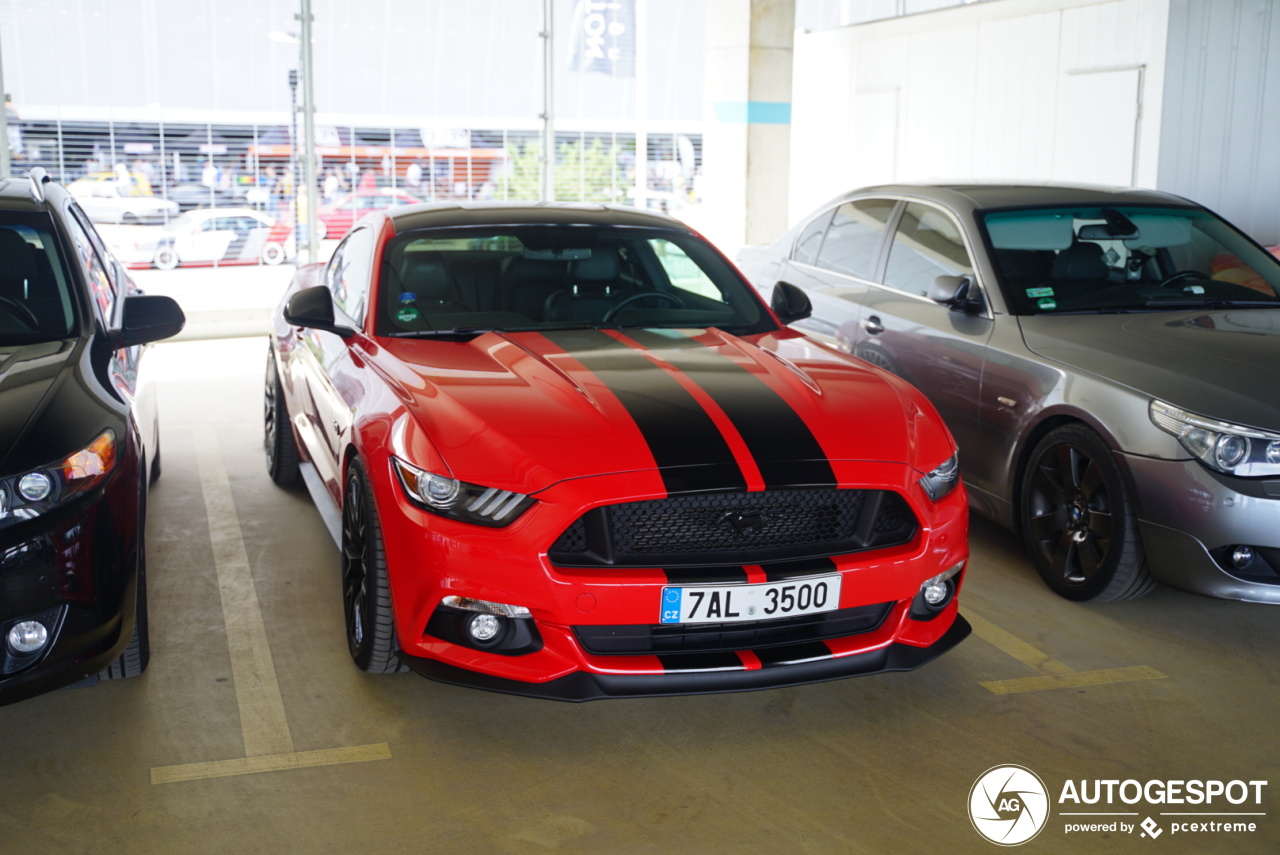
(954, 291)
(789, 303)
(313, 308)
(148, 318)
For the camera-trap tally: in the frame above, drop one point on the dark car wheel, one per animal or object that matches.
(366, 595)
(277, 439)
(1078, 521)
(134, 658)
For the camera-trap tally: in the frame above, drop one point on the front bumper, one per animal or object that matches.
(583, 686)
(76, 571)
(1191, 518)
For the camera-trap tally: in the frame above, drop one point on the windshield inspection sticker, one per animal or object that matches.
(1039, 292)
(1047, 303)
(408, 297)
(407, 314)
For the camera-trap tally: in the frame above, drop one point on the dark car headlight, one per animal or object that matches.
(1227, 448)
(459, 500)
(943, 479)
(27, 495)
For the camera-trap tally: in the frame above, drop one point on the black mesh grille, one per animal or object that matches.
(639, 639)
(729, 528)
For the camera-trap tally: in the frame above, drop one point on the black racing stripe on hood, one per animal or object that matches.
(705, 575)
(767, 423)
(691, 453)
(778, 571)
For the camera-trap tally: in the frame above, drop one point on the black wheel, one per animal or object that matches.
(277, 438)
(1077, 519)
(366, 595)
(154, 474)
(135, 656)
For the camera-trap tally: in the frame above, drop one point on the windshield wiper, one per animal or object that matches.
(439, 333)
(1212, 304)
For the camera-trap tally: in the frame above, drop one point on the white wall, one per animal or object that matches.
(1017, 89)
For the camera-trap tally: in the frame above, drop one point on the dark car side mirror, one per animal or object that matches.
(789, 303)
(954, 291)
(148, 318)
(313, 308)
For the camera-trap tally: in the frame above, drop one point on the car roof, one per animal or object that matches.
(16, 194)
(444, 214)
(962, 196)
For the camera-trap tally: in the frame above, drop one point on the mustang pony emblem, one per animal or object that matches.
(744, 523)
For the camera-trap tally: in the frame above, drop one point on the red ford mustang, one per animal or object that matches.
(568, 453)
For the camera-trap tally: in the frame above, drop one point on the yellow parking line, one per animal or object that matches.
(269, 763)
(1053, 674)
(268, 744)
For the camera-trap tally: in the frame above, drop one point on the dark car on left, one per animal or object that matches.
(78, 446)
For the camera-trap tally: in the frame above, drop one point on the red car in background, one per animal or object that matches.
(569, 453)
(336, 219)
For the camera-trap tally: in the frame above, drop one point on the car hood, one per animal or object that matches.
(1220, 364)
(28, 374)
(522, 411)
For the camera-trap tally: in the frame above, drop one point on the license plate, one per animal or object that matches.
(733, 603)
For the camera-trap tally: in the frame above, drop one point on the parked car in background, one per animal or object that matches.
(108, 200)
(79, 445)
(209, 236)
(1106, 359)
(575, 456)
(336, 219)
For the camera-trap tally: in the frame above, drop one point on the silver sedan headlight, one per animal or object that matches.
(1231, 449)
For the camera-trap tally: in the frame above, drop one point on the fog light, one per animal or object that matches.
(1242, 557)
(484, 628)
(28, 636)
(936, 593)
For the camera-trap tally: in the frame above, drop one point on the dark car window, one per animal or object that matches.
(852, 243)
(927, 244)
(810, 240)
(1125, 258)
(348, 274)
(101, 285)
(35, 303)
(557, 277)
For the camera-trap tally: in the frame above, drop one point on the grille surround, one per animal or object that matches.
(711, 529)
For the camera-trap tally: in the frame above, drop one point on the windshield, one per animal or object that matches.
(543, 277)
(34, 302)
(1126, 258)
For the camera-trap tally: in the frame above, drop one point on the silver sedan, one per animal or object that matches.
(1106, 358)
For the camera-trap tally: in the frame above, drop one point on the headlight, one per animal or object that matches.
(944, 479)
(459, 500)
(1228, 448)
(29, 494)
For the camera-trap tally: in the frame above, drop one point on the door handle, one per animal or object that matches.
(873, 325)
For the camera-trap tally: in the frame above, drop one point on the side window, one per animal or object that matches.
(927, 244)
(683, 272)
(853, 240)
(101, 285)
(806, 251)
(349, 271)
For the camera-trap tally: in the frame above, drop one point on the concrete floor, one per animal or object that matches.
(221, 747)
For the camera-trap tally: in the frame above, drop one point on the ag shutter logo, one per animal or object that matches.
(1008, 805)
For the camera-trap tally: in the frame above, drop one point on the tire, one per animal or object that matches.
(277, 435)
(166, 258)
(154, 473)
(366, 594)
(1077, 519)
(322, 230)
(137, 653)
(272, 253)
